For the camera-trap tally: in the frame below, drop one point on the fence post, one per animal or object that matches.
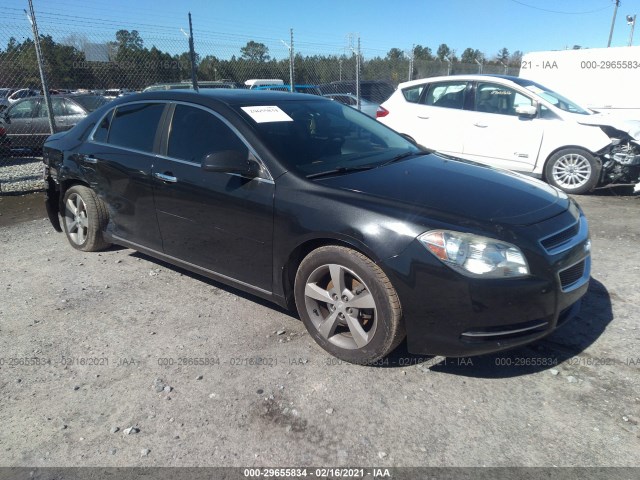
(291, 60)
(45, 89)
(358, 74)
(192, 55)
(413, 49)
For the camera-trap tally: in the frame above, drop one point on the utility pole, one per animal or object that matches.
(631, 21)
(192, 54)
(613, 21)
(291, 59)
(43, 79)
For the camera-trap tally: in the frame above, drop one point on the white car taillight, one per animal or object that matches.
(381, 112)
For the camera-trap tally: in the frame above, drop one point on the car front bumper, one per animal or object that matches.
(449, 314)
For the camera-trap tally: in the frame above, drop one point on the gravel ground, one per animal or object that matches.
(21, 174)
(116, 359)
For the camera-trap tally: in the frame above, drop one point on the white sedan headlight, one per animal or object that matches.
(476, 256)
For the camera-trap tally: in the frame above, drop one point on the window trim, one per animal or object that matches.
(431, 85)
(515, 88)
(128, 149)
(164, 146)
(164, 130)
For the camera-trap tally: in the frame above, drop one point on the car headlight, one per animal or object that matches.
(476, 256)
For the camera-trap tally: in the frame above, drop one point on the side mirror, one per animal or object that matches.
(231, 161)
(528, 111)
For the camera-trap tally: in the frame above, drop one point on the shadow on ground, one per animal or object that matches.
(568, 341)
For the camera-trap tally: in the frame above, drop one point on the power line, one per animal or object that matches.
(558, 11)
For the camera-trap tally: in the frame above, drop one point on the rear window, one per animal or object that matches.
(412, 94)
(90, 102)
(446, 94)
(134, 126)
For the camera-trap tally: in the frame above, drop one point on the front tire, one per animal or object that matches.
(348, 305)
(84, 218)
(573, 170)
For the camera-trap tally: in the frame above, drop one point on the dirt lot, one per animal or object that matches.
(94, 344)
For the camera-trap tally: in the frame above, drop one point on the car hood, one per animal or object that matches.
(458, 188)
(615, 120)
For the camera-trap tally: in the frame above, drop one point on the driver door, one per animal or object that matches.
(222, 222)
(496, 135)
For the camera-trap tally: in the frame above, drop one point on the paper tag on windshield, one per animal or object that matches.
(265, 113)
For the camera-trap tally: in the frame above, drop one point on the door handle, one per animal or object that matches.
(423, 117)
(88, 159)
(165, 178)
(481, 125)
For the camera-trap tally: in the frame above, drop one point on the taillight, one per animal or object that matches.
(2, 131)
(381, 112)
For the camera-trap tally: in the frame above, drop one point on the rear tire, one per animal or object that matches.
(348, 305)
(84, 218)
(573, 171)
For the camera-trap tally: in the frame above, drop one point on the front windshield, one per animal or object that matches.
(315, 136)
(557, 100)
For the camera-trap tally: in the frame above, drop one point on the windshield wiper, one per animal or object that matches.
(341, 170)
(402, 156)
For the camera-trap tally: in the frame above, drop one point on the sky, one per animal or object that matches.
(332, 26)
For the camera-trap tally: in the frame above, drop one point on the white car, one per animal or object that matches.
(517, 124)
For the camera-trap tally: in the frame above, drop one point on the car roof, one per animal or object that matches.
(476, 77)
(230, 96)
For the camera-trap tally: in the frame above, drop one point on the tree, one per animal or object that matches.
(395, 54)
(255, 52)
(503, 55)
(422, 53)
(130, 40)
(516, 58)
(443, 51)
(470, 55)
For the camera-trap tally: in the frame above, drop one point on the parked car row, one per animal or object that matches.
(26, 124)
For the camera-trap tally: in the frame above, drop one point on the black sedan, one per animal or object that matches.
(26, 122)
(317, 207)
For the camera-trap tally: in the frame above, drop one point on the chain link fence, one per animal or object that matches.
(83, 59)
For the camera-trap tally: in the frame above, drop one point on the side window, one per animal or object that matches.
(24, 109)
(57, 104)
(446, 95)
(195, 133)
(494, 98)
(412, 94)
(102, 132)
(134, 126)
(72, 108)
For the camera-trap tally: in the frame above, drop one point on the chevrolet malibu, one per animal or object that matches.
(317, 207)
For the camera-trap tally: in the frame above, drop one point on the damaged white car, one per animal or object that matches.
(520, 125)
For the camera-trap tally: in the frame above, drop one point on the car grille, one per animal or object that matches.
(561, 238)
(569, 276)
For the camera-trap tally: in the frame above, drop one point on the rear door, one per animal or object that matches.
(220, 221)
(19, 123)
(117, 160)
(436, 119)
